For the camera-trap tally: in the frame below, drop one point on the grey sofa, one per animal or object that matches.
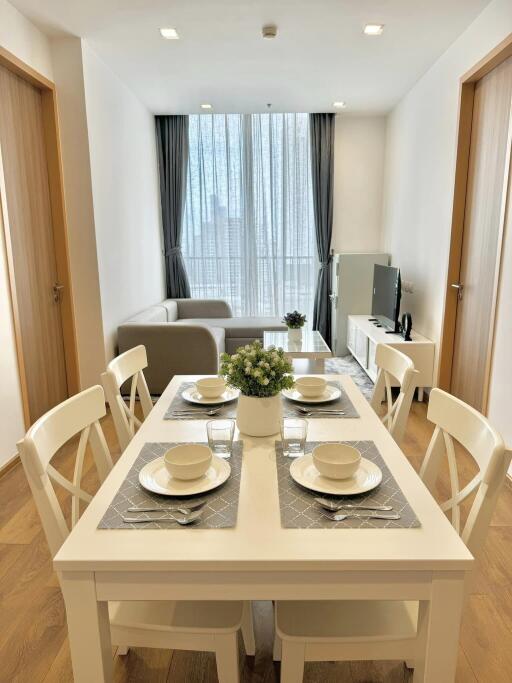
(186, 336)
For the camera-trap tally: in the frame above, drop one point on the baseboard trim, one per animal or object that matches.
(9, 465)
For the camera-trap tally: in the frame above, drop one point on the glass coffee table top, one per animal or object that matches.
(311, 345)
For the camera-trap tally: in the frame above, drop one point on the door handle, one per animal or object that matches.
(459, 287)
(57, 288)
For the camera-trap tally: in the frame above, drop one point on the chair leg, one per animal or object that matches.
(292, 662)
(226, 654)
(122, 650)
(276, 655)
(248, 630)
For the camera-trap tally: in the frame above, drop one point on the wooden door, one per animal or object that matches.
(489, 165)
(29, 216)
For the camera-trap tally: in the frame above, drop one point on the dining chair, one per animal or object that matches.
(181, 625)
(397, 630)
(128, 366)
(394, 364)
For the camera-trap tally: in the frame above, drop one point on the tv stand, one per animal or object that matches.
(363, 337)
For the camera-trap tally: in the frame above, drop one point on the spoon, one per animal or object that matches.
(185, 509)
(189, 413)
(369, 515)
(334, 507)
(312, 411)
(184, 520)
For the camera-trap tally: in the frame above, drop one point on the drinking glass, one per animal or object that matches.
(220, 437)
(293, 436)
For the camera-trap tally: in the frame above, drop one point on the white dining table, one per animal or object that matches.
(258, 559)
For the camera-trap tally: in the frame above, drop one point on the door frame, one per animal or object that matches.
(465, 119)
(60, 231)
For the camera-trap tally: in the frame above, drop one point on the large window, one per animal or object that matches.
(248, 233)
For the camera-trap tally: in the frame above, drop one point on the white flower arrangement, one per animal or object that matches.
(257, 371)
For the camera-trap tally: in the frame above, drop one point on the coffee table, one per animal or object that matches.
(308, 354)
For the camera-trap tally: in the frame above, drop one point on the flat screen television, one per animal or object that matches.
(387, 290)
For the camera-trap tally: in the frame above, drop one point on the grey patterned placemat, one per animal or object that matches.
(220, 511)
(228, 410)
(299, 510)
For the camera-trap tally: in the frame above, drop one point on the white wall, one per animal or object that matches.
(69, 82)
(419, 176)
(21, 38)
(126, 200)
(501, 375)
(358, 182)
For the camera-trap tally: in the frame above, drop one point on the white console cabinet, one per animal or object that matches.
(363, 337)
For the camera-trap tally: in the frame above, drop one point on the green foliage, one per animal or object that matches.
(256, 371)
(294, 320)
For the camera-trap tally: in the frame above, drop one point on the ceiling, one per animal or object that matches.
(319, 56)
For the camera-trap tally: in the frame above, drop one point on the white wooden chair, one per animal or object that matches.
(391, 630)
(184, 625)
(394, 364)
(128, 365)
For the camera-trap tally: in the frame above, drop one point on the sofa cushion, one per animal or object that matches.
(219, 336)
(172, 309)
(242, 327)
(152, 314)
(203, 308)
(217, 332)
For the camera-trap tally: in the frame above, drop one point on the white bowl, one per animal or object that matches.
(211, 387)
(188, 461)
(336, 460)
(310, 387)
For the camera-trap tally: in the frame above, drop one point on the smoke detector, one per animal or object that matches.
(269, 31)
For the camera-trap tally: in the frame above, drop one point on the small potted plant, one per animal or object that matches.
(260, 374)
(294, 321)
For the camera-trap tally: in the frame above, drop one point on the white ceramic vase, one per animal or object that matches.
(295, 334)
(259, 416)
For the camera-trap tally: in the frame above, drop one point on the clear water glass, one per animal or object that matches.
(293, 436)
(220, 437)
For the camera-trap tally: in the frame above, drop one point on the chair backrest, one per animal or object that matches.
(394, 364)
(454, 419)
(79, 414)
(128, 365)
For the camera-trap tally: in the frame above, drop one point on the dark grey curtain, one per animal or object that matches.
(172, 149)
(322, 172)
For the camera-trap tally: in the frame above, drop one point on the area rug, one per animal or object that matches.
(349, 366)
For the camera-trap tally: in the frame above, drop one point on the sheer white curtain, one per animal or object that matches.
(248, 233)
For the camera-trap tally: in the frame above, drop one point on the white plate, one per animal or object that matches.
(330, 394)
(155, 477)
(367, 477)
(191, 395)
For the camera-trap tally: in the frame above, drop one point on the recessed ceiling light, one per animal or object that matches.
(269, 31)
(169, 33)
(339, 105)
(374, 29)
(206, 106)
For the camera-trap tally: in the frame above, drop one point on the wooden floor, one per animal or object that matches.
(33, 642)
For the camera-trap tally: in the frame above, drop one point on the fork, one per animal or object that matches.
(187, 413)
(184, 520)
(308, 412)
(362, 515)
(334, 507)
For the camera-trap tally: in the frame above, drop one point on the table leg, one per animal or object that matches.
(88, 629)
(439, 626)
(420, 394)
